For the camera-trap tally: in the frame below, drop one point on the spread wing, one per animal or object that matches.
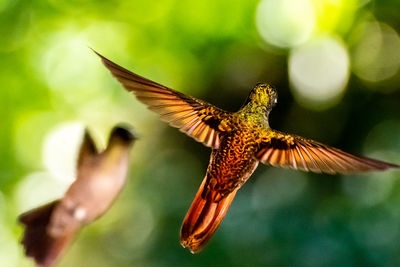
(196, 118)
(290, 151)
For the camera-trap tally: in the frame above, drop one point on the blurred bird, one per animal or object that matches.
(239, 141)
(100, 177)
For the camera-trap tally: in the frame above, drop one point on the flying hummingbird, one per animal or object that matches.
(239, 141)
(100, 177)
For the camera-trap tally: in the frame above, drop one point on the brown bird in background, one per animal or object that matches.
(100, 177)
(239, 141)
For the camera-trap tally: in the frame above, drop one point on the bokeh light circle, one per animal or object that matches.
(384, 139)
(368, 190)
(69, 63)
(36, 189)
(318, 72)
(9, 247)
(376, 56)
(285, 23)
(374, 188)
(60, 150)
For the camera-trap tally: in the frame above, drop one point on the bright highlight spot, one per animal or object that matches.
(381, 143)
(60, 150)
(285, 23)
(318, 72)
(335, 15)
(377, 54)
(9, 246)
(37, 189)
(69, 63)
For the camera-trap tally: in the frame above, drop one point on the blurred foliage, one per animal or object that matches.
(53, 86)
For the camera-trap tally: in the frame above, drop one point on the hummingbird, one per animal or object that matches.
(238, 141)
(100, 177)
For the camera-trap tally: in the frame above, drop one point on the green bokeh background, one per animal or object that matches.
(212, 50)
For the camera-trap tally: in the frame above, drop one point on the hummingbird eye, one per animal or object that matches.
(274, 100)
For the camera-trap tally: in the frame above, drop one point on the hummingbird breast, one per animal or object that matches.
(232, 164)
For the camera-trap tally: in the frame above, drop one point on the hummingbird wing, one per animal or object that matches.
(291, 151)
(196, 118)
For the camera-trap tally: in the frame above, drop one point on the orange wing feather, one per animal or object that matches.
(291, 151)
(198, 119)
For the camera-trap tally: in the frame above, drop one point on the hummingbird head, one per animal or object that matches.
(264, 96)
(123, 134)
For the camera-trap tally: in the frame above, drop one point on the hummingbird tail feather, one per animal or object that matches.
(203, 218)
(38, 244)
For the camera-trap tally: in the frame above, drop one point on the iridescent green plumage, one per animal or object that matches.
(239, 141)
